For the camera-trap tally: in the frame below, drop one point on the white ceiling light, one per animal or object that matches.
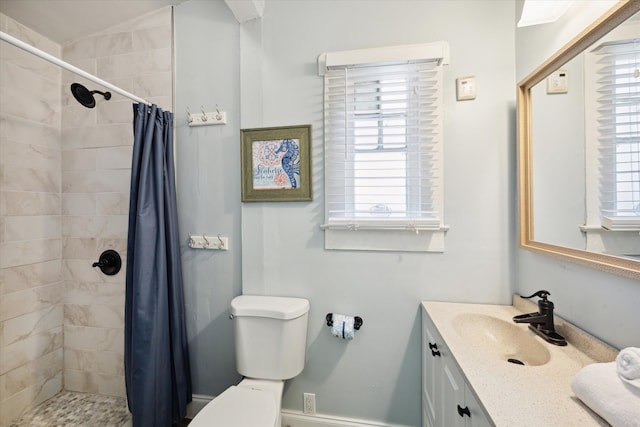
(542, 11)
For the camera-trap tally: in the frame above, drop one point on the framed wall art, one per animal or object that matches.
(276, 164)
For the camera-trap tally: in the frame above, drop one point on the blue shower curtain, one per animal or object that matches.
(157, 372)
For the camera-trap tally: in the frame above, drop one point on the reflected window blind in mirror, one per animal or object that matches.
(618, 100)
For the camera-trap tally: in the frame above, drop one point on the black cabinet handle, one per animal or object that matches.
(463, 412)
(435, 353)
(433, 346)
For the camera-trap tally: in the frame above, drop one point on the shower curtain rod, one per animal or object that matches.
(25, 46)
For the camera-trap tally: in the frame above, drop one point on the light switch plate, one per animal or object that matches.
(558, 82)
(466, 88)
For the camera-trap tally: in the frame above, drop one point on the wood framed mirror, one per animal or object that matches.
(539, 215)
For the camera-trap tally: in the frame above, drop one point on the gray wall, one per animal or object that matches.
(376, 376)
(603, 304)
(208, 171)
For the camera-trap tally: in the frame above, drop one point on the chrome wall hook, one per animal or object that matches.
(203, 241)
(205, 118)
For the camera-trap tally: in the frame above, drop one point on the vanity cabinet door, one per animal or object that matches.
(447, 400)
(477, 418)
(452, 395)
(460, 407)
(431, 373)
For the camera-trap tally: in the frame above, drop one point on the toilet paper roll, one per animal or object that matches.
(343, 326)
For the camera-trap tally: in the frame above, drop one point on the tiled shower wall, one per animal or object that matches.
(64, 186)
(96, 162)
(31, 285)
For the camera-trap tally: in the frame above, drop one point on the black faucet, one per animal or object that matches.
(542, 322)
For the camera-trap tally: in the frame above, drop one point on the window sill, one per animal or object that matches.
(384, 239)
(609, 228)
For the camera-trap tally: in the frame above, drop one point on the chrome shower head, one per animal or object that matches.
(85, 97)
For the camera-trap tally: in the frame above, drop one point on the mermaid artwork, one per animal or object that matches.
(290, 160)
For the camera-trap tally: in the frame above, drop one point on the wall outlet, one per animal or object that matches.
(309, 404)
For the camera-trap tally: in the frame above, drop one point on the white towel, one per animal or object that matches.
(599, 387)
(628, 363)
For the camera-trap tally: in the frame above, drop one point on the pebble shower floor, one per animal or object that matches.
(71, 409)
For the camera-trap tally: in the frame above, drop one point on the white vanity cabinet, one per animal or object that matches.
(447, 401)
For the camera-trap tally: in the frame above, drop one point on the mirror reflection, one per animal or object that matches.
(579, 147)
(585, 148)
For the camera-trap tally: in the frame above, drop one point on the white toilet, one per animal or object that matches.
(270, 339)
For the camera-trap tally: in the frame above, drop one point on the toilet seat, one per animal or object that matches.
(238, 407)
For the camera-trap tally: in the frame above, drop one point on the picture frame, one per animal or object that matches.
(276, 164)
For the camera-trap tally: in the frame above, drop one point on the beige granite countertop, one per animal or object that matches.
(515, 395)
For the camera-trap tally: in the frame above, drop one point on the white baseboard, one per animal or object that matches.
(298, 419)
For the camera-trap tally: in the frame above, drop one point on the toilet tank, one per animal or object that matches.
(270, 335)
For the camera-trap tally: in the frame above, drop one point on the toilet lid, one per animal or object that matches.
(238, 407)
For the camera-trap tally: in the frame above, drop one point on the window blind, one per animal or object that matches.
(383, 137)
(619, 133)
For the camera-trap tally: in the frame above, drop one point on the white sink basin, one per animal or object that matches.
(501, 339)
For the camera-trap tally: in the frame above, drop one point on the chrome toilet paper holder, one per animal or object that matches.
(357, 321)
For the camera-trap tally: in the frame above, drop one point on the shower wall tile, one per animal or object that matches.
(151, 38)
(91, 338)
(15, 203)
(18, 129)
(78, 204)
(158, 18)
(29, 95)
(96, 161)
(99, 46)
(116, 111)
(27, 276)
(113, 44)
(31, 348)
(96, 315)
(14, 406)
(30, 300)
(31, 156)
(111, 227)
(158, 84)
(137, 63)
(77, 115)
(98, 136)
(32, 373)
(80, 293)
(90, 382)
(79, 270)
(32, 227)
(16, 29)
(112, 204)
(26, 61)
(20, 327)
(31, 286)
(78, 160)
(99, 181)
(102, 362)
(78, 247)
(19, 179)
(115, 158)
(13, 254)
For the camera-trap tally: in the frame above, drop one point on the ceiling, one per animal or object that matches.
(66, 20)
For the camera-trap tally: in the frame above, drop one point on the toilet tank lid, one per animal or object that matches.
(269, 306)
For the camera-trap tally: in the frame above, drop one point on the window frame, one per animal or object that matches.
(390, 234)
